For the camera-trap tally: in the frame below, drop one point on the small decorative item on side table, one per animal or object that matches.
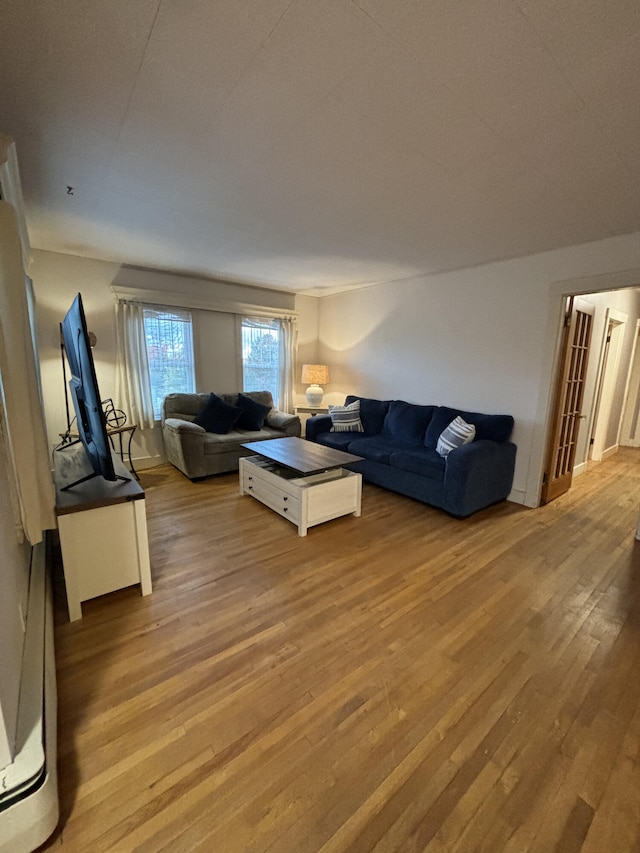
(117, 425)
(315, 375)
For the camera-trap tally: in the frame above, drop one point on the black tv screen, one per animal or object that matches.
(92, 427)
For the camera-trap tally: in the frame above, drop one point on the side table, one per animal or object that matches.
(312, 410)
(122, 451)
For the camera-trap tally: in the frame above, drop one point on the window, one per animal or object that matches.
(169, 337)
(260, 355)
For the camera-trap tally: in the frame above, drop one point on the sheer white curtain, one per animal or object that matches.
(133, 382)
(288, 339)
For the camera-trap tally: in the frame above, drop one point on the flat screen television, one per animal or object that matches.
(83, 384)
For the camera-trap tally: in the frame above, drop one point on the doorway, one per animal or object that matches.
(604, 431)
(610, 406)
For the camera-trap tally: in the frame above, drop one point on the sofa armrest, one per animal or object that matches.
(280, 420)
(288, 423)
(477, 475)
(184, 446)
(316, 425)
(178, 425)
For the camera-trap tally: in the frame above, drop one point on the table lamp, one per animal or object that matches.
(315, 375)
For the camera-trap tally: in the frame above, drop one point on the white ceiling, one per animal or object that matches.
(316, 145)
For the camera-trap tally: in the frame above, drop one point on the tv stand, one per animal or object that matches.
(103, 531)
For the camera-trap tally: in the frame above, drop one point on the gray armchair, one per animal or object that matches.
(198, 453)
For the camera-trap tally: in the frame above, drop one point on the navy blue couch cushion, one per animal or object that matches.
(337, 440)
(377, 447)
(488, 427)
(372, 413)
(407, 421)
(426, 463)
(405, 483)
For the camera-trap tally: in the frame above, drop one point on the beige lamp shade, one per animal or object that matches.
(315, 375)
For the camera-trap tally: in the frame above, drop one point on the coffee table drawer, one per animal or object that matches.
(275, 498)
(252, 473)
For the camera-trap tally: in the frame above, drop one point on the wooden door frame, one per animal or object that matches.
(607, 368)
(631, 416)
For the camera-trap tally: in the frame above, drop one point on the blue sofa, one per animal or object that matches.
(398, 447)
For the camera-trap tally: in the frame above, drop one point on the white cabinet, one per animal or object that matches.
(305, 501)
(103, 537)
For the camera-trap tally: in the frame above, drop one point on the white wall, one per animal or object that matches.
(14, 587)
(57, 278)
(20, 498)
(218, 368)
(308, 317)
(482, 339)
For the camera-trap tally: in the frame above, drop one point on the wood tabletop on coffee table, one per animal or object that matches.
(305, 457)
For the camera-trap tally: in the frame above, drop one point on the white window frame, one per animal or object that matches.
(264, 325)
(184, 381)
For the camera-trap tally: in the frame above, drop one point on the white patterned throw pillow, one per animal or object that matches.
(346, 418)
(458, 432)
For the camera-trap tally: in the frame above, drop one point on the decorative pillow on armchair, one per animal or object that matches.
(346, 418)
(458, 432)
(217, 416)
(252, 415)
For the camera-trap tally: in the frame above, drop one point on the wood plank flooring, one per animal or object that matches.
(403, 681)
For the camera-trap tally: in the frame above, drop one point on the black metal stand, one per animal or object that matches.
(67, 436)
(90, 477)
(87, 477)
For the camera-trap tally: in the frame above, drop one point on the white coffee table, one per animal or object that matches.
(301, 481)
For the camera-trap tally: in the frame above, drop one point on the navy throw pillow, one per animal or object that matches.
(217, 416)
(372, 413)
(252, 413)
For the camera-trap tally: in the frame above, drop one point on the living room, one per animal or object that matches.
(422, 191)
(495, 353)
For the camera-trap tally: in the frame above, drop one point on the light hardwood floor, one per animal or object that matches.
(401, 681)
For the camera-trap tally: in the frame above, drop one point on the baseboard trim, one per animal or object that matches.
(609, 452)
(140, 463)
(517, 496)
